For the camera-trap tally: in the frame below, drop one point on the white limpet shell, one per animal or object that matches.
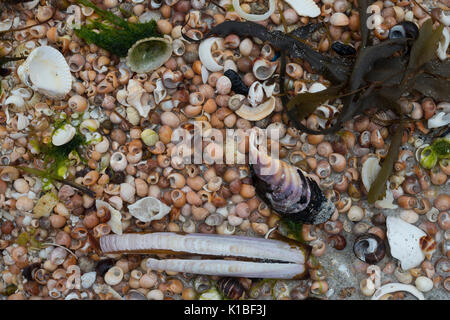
(63, 135)
(305, 8)
(369, 171)
(148, 209)
(404, 240)
(46, 71)
(254, 17)
(394, 287)
(257, 113)
(116, 217)
(441, 50)
(205, 54)
(439, 120)
(149, 54)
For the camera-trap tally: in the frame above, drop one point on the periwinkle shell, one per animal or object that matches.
(369, 248)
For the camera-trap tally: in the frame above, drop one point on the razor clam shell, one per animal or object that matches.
(205, 244)
(230, 268)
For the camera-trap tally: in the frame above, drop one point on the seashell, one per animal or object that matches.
(404, 241)
(160, 92)
(257, 113)
(369, 248)
(171, 79)
(22, 121)
(139, 99)
(46, 71)
(287, 189)
(178, 47)
(441, 50)
(394, 287)
(205, 74)
(440, 119)
(88, 279)
(269, 87)
(264, 69)
(388, 201)
(316, 87)
(305, 8)
(369, 171)
(255, 93)
(254, 17)
(6, 24)
(149, 54)
(63, 135)
(148, 209)
(15, 103)
(116, 217)
(205, 53)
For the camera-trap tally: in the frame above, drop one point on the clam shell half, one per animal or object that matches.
(46, 71)
(149, 54)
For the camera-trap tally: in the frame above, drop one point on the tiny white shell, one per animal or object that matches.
(424, 284)
(370, 171)
(148, 209)
(316, 87)
(88, 279)
(116, 217)
(305, 8)
(63, 135)
(403, 240)
(205, 54)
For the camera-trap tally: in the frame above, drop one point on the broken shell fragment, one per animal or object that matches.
(305, 8)
(288, 259)
(46, 71)
(205, 54)
(149, 54)
(148, 209)
(257, 113)
(394, 287)
(440, 119)
(404, 241)
(116, 217)
(369, 171)
(63, 135)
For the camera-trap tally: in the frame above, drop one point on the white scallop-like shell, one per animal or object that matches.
(63, 135)
(403, 240)
(205, 54)
(257, 113)
(148, 209)
(369, 171)
(46, 71)
(305, 8)
(116, 217)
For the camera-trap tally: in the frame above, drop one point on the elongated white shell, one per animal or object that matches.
(116, 217)
(257, 113)
(229, 268)
(394, 287)
(369, 171)
(205, 54)
(46, 71)
(305, 8)
(403, 240)
(204, 244)
(63, 135)
(148, 209)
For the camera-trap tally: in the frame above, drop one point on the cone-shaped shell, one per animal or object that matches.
(46, 71)
(287, 189)
(149, 54)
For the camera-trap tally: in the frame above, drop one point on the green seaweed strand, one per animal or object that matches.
(117, 35)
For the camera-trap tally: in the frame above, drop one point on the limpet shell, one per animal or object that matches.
(404, 242)
(257, 113)
(148, 209)
(149, 54)
(46, 71)
(63, 135)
